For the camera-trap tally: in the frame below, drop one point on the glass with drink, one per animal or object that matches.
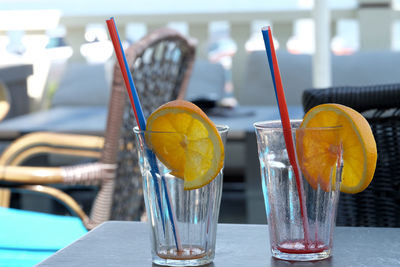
(335, 152)
(181, 167)
(292, 236)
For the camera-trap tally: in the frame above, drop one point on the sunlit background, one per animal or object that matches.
(34, 31)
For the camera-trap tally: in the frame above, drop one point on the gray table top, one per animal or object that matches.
(92, 119)
(127, 244)
(80, 120)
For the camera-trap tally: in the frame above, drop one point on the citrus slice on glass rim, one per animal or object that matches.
(357, 140)
(187, 142)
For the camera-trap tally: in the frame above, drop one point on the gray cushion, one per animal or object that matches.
(207, 81)
(361, 68)
(258, 88)
(366, 68)
(83, 84)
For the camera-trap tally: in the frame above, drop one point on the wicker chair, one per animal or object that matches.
(379, 204)
(161, 64)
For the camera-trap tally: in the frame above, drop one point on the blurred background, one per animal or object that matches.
(49, 34)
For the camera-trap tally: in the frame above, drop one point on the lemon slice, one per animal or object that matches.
(357, 140)
(187, 142)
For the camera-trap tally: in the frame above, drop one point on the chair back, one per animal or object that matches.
(161, 65)
(4, 101)
(379, 204)
(258, 88)
(77, 86)
(207, 82)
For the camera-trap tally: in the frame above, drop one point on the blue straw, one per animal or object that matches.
(152, 158)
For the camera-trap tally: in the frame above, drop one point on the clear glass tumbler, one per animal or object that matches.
(183, 222)
(301, 212)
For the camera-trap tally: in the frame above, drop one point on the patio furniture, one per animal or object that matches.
(361, 68)
(379, 204)
(207, 82)
(78, 87)
(4, 101)
(241, 161)
(14, 78)
(161, 65)
(258, 88)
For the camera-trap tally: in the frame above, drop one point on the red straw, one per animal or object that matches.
(287, 129)
(283, 110)
(141, 122)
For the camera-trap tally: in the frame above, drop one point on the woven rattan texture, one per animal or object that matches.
(379, 204)
(160, 65)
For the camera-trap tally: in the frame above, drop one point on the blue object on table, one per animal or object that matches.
(28, 237)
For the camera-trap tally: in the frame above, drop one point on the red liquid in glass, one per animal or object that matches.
(300, 247)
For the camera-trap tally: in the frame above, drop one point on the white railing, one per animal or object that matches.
(373, 33)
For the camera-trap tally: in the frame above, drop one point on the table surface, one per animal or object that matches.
(117, 243)
(92, 120)
(79, 120)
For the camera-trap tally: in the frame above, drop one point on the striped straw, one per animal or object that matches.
(141, 122)
(287, 130)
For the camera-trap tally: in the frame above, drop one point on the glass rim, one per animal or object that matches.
(222, 128)
(276, 125)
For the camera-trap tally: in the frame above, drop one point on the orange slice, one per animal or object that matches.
(318, 150)
(187, 142)
(318, 153)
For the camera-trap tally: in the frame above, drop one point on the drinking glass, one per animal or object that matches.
(301, 212)
(183, 223)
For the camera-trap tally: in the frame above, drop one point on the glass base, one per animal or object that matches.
(276, 253)
(193, 256)
(171, 262)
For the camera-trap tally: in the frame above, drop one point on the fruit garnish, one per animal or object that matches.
(187, 142)
(318, 150)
